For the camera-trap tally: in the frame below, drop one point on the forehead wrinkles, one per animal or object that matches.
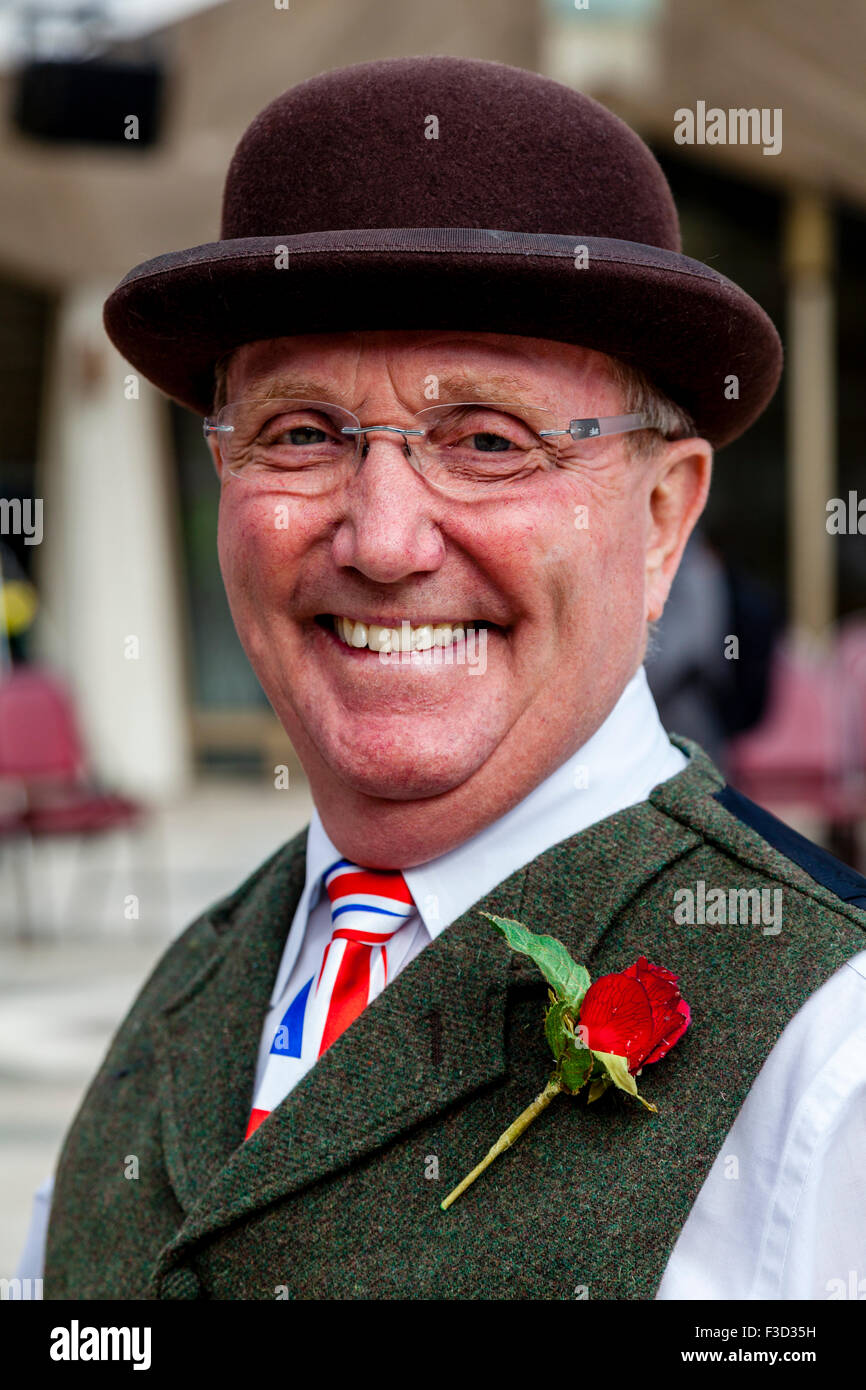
(555, 380)
(350, 372)
(341, 373)
(496, 387)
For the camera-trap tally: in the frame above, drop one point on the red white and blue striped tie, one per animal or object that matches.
(368, 908)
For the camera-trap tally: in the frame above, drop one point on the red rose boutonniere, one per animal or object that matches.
(600, 1034)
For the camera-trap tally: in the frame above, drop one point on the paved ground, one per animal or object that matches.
(63, 992)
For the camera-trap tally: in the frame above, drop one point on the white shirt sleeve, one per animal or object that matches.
(32, 1261)
(782, 1212)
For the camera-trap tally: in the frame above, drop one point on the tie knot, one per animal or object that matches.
(367, 905)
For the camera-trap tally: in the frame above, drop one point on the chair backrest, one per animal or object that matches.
(851, 648)
(802, 730)
(39, 735)
(851, 653)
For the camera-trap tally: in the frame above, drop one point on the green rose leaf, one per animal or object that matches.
(598, 1088)
(575, 1067)
(570, 980)
(556, 1030)
(617, 1069)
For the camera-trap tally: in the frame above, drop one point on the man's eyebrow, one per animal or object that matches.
(290, 388)
(498, 388)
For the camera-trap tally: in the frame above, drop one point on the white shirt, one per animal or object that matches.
(794, 1218)
(782, 1212)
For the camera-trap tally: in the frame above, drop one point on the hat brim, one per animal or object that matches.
(689, 328)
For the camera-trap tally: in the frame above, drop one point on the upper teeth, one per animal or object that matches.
(393, 639)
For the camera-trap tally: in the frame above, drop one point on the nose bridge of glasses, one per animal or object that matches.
(358, 430)
(404, 436)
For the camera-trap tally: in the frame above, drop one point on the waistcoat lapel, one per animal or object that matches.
(206, 1040)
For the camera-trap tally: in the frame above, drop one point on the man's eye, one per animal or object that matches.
(489, 432)
(489, 443)
(303, 436)
(299, 435)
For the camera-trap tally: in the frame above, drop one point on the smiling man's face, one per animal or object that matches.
(408, 759)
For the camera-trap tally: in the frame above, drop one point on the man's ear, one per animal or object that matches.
(678, 495)
(213, 446)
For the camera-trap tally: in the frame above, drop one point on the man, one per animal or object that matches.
(461, 391)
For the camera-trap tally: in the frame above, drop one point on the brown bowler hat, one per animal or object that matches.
(435, 193)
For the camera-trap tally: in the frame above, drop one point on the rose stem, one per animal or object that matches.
(523, 1121)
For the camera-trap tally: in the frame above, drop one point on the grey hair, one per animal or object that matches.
(640, 397)
(220, 380)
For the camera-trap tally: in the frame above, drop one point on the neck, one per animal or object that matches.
(387, 833)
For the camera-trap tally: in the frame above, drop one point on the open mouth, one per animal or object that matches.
(417, 637)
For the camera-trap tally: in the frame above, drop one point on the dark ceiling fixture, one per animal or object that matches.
(102, 97)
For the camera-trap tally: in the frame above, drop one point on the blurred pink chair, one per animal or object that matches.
(851, 649)
(810, 748)
(48, 789)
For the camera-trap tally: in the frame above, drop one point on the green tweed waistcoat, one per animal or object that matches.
(336, 1194)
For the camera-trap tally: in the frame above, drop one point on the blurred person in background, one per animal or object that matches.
(709, 658)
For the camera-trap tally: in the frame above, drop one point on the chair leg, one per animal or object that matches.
(82, 874)
(152, 835)
(22, 872)
(132, 837)
(150, 879)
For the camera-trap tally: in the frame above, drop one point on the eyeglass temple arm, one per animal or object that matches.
(594, 426)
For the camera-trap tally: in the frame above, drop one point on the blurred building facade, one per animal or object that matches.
(132, 608)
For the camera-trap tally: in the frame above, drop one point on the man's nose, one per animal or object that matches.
(390, 525)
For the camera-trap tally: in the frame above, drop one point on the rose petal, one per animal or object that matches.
(617, 1017)
(679, 1023)
(665, 1000)
(642, 967)
(661, 992)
